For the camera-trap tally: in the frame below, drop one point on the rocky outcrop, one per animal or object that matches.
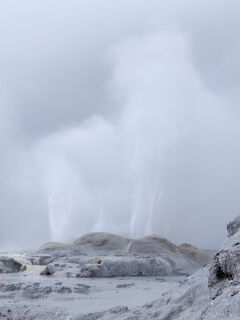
(126, 266)
(107, 255)
(233, 226)
(212, 293)
(9, 265)
(224, 271)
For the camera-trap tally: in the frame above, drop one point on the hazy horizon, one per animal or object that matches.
(119, 116)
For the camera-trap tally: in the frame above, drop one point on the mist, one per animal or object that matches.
(119, 116)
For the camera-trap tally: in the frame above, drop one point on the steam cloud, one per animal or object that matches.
(125, 121)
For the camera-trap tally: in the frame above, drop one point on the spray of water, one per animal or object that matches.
(161, 162)
(114, 172)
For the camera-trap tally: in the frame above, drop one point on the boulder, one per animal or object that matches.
(48, 271)
(9, 265)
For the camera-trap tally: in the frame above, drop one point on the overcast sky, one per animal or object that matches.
(119, 116)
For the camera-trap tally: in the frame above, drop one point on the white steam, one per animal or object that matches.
(110, 175)
(120, 117)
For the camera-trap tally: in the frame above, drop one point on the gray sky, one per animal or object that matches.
(119, 116)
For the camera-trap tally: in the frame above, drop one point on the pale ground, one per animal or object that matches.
(102, 293)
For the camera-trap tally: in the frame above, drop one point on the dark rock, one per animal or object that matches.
(48, 271)
(125, 285)
(23, 268)
(9, 265)
(64, 290)
(221, 269)
(119, 309)
(234, 293)
(233, 226)
(12, 287)
(82, 288)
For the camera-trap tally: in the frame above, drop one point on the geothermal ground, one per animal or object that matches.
(30, 296)
(97, 272)
(106, 277)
